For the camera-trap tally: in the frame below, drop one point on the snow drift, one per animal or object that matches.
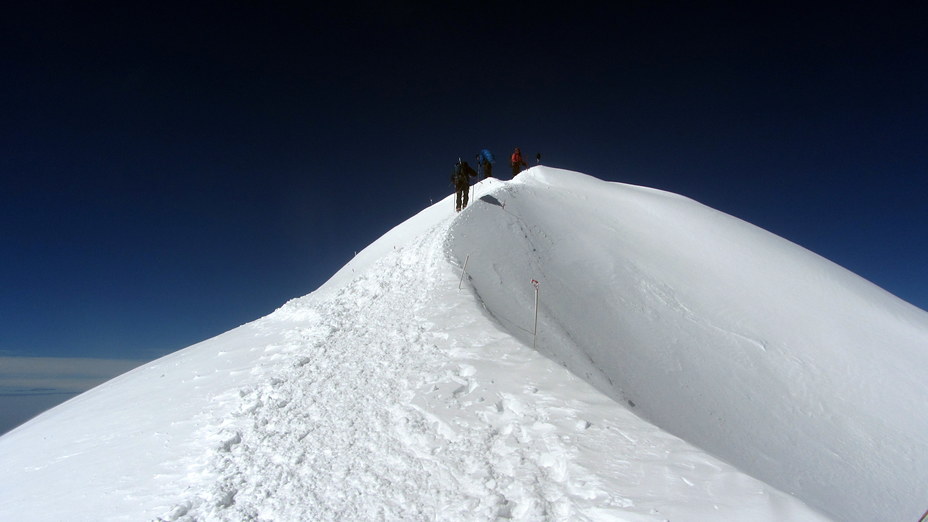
(391, 394)
(779, 361)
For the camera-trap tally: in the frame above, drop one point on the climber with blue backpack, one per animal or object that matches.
(485, 161)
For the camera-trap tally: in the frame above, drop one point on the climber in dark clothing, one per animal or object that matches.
(460, 177)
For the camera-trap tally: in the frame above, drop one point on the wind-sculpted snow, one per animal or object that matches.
(767, 355)
(388, 394)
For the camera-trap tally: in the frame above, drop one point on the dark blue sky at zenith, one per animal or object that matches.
(172, 171)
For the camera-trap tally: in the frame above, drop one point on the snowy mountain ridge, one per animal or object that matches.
(389, 393)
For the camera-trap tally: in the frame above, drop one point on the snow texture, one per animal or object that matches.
(685, 360)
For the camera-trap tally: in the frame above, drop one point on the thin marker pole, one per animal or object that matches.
(535, 329)
(463, 271)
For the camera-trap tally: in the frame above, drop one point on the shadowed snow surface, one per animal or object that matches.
(390, 393)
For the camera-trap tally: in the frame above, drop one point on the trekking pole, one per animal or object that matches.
(535, 329)
(463, 271)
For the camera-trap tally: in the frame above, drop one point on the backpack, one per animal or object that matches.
(468, 170)
(460, 173)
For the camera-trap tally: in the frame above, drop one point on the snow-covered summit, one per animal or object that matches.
(390, 393)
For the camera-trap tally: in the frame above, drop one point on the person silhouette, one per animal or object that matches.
(516, 162)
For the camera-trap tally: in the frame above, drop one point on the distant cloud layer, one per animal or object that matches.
(21, 376)
(31, 385)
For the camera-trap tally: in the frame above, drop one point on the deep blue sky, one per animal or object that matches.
(172, 171)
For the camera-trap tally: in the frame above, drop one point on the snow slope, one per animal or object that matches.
(391, 394)
(779, 361)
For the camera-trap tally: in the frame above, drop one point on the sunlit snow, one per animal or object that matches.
(689, 367)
